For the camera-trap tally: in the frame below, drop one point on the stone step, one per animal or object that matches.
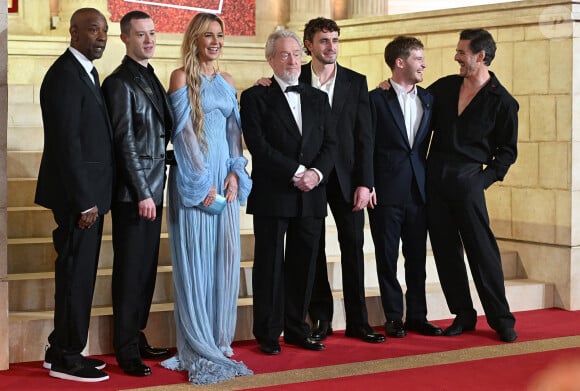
(29, 279)
(25, 163)
(25, 138)
(36, 221)
(20, 192)
(31, 328)
(37, 255)
(22, 164)
(24, 114)
(23, 93)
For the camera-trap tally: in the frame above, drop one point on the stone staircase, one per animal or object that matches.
(31, 257)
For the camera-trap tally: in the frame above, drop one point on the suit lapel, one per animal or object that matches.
(279, 104)
(341, 92)
(308, 113)
(394, 107)
(427, 102)
(96, 90)
(142, 84)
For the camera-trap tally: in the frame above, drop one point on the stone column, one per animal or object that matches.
(4, 340)
(301, 11)
(362, 9)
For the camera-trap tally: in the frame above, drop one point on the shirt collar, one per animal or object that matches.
(282, 83)
(85, 62)
(401, 91)
(316, 79)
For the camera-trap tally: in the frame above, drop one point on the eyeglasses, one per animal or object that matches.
(284, 56)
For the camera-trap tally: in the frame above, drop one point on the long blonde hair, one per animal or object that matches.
(189, 55)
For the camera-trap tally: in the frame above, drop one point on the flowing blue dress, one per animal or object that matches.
(205, 248)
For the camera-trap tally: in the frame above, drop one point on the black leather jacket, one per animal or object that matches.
(141, 132)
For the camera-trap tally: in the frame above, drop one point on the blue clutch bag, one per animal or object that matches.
(216, 207)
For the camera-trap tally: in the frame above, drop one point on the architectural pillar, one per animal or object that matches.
(4, 337)
(362, 9)
(301, 11)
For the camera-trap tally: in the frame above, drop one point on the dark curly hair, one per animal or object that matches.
(315, 25)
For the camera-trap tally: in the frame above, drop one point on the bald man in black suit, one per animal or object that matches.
(75, 181)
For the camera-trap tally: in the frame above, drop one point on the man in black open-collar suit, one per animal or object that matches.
(292, 143)
(349, 184)
(401, 126)
(75, 181)
(141, 121)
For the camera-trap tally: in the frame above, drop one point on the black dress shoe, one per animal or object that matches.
(423, 327)
(459, 326)
(507, 335)
(150, 352)
(135, 367)
(322, 331)
(271, 349)
(306, 343)
(365, 334)
(395, 328)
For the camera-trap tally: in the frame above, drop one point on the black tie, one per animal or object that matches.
(297, 88)
(96, 77)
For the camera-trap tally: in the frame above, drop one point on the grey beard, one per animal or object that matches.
(289, 79)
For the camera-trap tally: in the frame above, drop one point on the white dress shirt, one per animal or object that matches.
(85, 62)
(327, 87)
(293, 98)
(411, 107)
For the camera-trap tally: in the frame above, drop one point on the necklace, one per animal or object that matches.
(210, 77)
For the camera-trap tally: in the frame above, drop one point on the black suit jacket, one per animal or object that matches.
(141, 128)
(352, 118)
(76, 170)
(277, 147)
(396, 164)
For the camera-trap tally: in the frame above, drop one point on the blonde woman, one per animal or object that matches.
(205, 247)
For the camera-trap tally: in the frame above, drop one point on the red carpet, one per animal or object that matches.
(471, 375)
(531, 325)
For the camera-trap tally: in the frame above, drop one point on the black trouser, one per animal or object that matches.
(136, 251)
(350, 229)
(458, 223)
(391, 225)
(282, 276)
(75, 271)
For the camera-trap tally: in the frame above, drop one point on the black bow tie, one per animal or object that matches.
(297, 88)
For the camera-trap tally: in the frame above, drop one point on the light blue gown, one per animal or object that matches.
(205, 249)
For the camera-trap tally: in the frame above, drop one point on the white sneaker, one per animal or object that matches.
(79, 373)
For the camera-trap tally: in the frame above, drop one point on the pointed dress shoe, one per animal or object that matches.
(150, 352)
(459, 326)
(135, 367)
(306, 343)
(507, 334)
(271, 349)
(423, 327)
(366, 334)
(322, 331)
(395, 329)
